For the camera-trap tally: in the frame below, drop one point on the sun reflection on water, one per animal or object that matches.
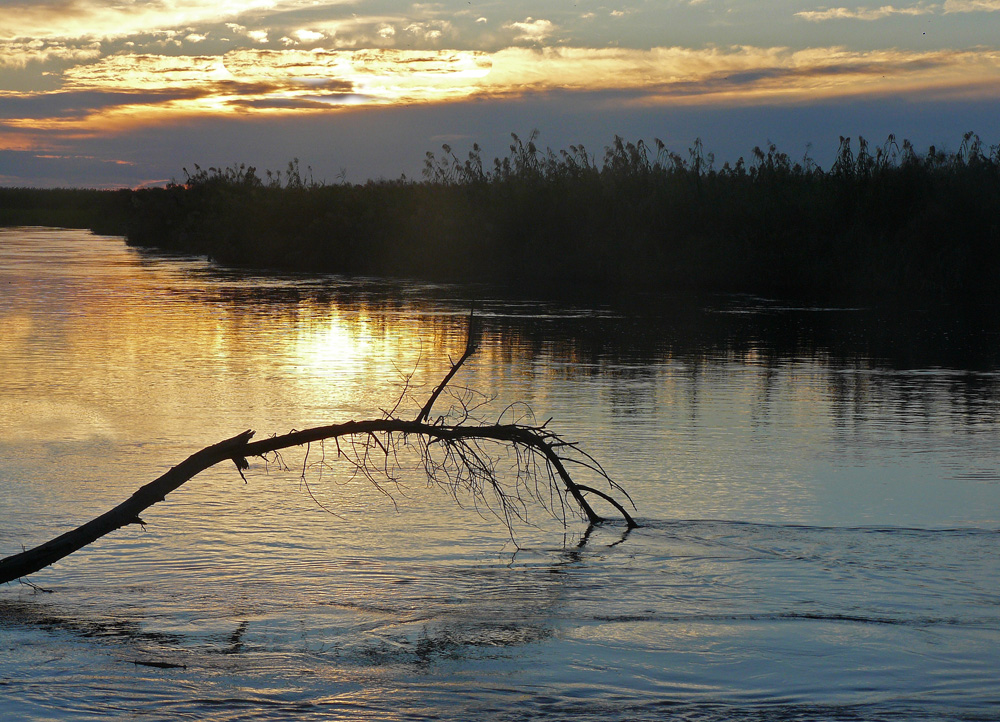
(332, 344)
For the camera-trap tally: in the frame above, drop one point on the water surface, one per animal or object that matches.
(818, 491)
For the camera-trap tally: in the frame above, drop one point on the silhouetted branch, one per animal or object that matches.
(32, 560)
(470, 348)
(458, 456)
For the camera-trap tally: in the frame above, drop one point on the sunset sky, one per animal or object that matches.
(125, 92)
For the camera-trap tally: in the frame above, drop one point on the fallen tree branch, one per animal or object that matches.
(32, 560)
(453, 455)
(471, 341)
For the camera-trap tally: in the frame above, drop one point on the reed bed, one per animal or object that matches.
(885, 224)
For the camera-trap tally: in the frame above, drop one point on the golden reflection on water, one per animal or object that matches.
(105, 344)
(124, 355)
(118, 364)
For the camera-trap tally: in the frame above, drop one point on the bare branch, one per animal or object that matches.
(471, 340)
(30, 561)
(502, 466)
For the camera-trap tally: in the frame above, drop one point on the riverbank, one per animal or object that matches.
(883, 226)
(104, 212)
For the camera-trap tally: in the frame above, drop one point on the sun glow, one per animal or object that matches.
(262, 81)
(140, 88)
(332, 346)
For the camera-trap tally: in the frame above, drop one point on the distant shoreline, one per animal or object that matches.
(884, 226)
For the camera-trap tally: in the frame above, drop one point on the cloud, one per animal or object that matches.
(530, 30)
(247, 80)
(258, 36)
(741, 74)
(23, 111)
(79, 19)
(308, 36)
(18, 54)
(433, 31)
(144, 72)
(126, 90)
(99, 20)
(971, 6)
(863, 13)
(315, 104)
(365, 31)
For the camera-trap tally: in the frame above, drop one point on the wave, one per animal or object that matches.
(729, 618)
(672, 524)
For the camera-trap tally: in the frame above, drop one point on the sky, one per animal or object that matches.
(125, 93)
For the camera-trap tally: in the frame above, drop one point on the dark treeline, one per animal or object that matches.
(884, 224)
(102, 211)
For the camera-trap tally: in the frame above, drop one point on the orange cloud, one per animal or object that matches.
(381, 76)
(741, 74)
(121, 90)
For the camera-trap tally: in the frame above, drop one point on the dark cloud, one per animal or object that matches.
(775, 77)
(873, 69)
(78, 104)
(71, 105)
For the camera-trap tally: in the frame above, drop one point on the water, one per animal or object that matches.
(818, 491)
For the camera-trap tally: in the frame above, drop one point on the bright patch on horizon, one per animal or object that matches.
(252, 80)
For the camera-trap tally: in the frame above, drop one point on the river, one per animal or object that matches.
(818, 494)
